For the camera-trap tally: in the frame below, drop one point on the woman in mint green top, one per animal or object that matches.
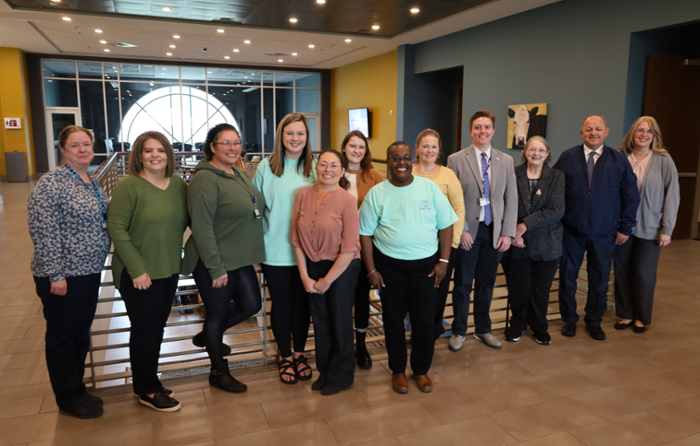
(227, 240)
(279, 177)
(147, 218)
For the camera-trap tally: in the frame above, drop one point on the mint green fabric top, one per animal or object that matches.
(226, 234)
(146, 225)
(279, 195)
(405, 221)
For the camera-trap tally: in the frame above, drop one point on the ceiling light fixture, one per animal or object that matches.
(293, 20)
(166, 9)
(67, 19)
(106, 50)
(348, 40)
(172, 46)
(415, 10)
(320, 2)
(246, 42)
(294, 54)
(55, 1)
(220, 31)
(375, 27)
(236, 50)
(280, 60)
(150, 83)
(98, 31)
(227, 57)
(168, 54)
(103, 41)
(312, 46)
(176, 36)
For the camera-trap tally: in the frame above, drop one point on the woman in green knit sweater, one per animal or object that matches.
(227, 240)
(147, 219)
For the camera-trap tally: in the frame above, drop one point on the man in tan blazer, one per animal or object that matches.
(491, 202)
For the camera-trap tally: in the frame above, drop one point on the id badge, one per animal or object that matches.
(257, 213)
(484, 202)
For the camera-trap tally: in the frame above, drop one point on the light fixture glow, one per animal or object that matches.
(168, 54)
(236, 50)
(98, 31)
(227, 57)
(375, 27)
(320, 2)
(172, 46)
(246, 41)
(294, 54)
(312, 46)
(55, 1)
(166, 9)
(176, 36)
(280, 60)
(103, 41)
(67, 19)
(106, 50)
(293, 20)
(415, 10)
(150, 83)
(348, 40)
(219, 30)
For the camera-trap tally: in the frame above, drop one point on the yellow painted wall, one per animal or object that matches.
(368, 83)
(14, 103)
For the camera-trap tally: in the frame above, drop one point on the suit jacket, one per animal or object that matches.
(660, 198)
(612, 202)
(504, 194)
(541, 211)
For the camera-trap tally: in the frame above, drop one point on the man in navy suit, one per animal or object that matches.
(601, 209)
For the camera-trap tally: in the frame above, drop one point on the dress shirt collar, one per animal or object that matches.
(587, 151)
(479, 152)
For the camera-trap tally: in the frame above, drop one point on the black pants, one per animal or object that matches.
(635, 278)
(148, 312)
(332, 316)
(68, 322)
(444, 289)
(599, 253)
(291, 316)
(242, 288)
(408, 289)
(362, 289)
(529, 283)
(478, 266)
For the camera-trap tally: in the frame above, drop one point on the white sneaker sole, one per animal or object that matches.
(160, 409)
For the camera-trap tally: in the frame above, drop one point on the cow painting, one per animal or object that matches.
(526, 123)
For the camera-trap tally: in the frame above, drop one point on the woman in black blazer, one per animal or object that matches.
(533, 259)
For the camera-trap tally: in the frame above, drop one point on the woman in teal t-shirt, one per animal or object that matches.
(279, 177)
(147, 219)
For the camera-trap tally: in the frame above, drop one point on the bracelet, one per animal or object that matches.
(444, 261)
(372, 272)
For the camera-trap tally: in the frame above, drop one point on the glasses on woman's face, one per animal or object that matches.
(649, 132)
(227, 144)
(75, 146)
(325, 165)
(535, 150)
(398, 158)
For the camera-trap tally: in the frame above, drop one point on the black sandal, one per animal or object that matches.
(301, 360)
(283, 367)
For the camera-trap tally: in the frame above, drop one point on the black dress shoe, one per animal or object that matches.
(81, 409)
(596, 332)
(319, 383)
(569, 329)
(621, 326)
(332, 389)
(639, 330)
(364, 361)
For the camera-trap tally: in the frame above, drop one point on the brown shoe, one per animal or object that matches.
(424, 383)
(399, 383)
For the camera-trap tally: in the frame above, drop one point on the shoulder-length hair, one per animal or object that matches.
(545, 143)
(657, 145)
(366, 163)
(68, 130)
(344, 182)
(277, 157)
(135, 163)
(423, 134)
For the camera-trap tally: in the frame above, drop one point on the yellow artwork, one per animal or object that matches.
(524, 121)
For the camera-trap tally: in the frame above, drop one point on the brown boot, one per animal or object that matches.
(399, 383)
(424, 383)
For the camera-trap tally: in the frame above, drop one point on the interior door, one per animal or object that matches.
(56, 120)
(314, 120)
(672, 94)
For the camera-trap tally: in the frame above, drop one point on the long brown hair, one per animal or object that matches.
(366, 163)
(135, 163)
(277, 157)
(657, 145)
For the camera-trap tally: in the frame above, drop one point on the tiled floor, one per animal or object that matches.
(628, 390)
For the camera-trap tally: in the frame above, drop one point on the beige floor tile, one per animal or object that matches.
(4, 300)
(21, 392)
(36, 331)
(10, 285)
(8, 334)
(211, 425)
(32, 428)
(381, 422)
(384, 395)
(459, 405)
(19, 310)
(551, 386)
(20, 408)
(684, 414)
(391, 441)
(484, 373)
(203, 443)
(537, 420)
(689, 441)
(311, 433)
(477, 432)
(4, 361)
(558, 439)
(23, 377)
(677, 358)
(22, 346)
(298, 410)
(258, 392)
(139, 435)
(639, 429)
(621, 370)
(23, 320)
(27, 360)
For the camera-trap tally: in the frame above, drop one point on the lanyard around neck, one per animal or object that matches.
(95, 191)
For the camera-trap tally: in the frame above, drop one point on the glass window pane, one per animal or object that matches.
(92, 108)
(307, 101)
(114, 121)
(284, 79)
(192, 75)
(284, 102)
(149, 72)
(59, 68)
(147, 108)
(228, 76)
(89, 70)
(60, 93)
(111, 71)
(269, 127)
(239, 107)
(268, 78)
(308, 80)
(194, 117)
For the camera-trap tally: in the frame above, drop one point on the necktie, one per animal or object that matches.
(589, 169)
(487, 188)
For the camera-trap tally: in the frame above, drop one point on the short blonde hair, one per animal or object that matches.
(135, 163)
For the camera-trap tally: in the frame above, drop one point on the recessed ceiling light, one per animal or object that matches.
(227, 57)
(312, 46)
(168, 54)
(172, 46)
(67, 19)
(163, 68)
(246, 41)
(320, 2)
(415, 10)
(280, 60)
(166, 9)
(98, 31)
(106, 50)
(375, 27)
(293, 20)
(150, 83)
(236, 50)
(348, 40)
(219, 30)
(245, 77)
(209, 72)
(103, 41)
(294, 54)
(176, 36)
(55, 1)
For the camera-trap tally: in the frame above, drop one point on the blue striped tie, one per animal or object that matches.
(487, 188)
(589, 170)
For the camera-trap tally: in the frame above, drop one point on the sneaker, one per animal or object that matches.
(542, 337)
(160, 402)
(513, 334)
(488, 339)
(82, 409)
(165, 390)
(456, 343)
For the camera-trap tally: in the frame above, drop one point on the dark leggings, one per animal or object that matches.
(362, 299)
(242, 288)
(291, 317)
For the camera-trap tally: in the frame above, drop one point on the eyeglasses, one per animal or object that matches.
(227, 144)
(648, 132)
(331, 165)
(405, 158)
(74, 146)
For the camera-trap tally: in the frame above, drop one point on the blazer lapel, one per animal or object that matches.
(494, 177)
(474, 166)
(523, 185)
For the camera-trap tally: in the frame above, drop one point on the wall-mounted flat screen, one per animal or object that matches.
(360, 120)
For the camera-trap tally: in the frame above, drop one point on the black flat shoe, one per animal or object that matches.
(621, 326)
(639, 330)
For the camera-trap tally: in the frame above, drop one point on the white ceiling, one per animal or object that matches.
(47, 33)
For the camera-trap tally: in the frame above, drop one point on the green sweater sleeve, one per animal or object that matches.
(202, 201)
(120, 214)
